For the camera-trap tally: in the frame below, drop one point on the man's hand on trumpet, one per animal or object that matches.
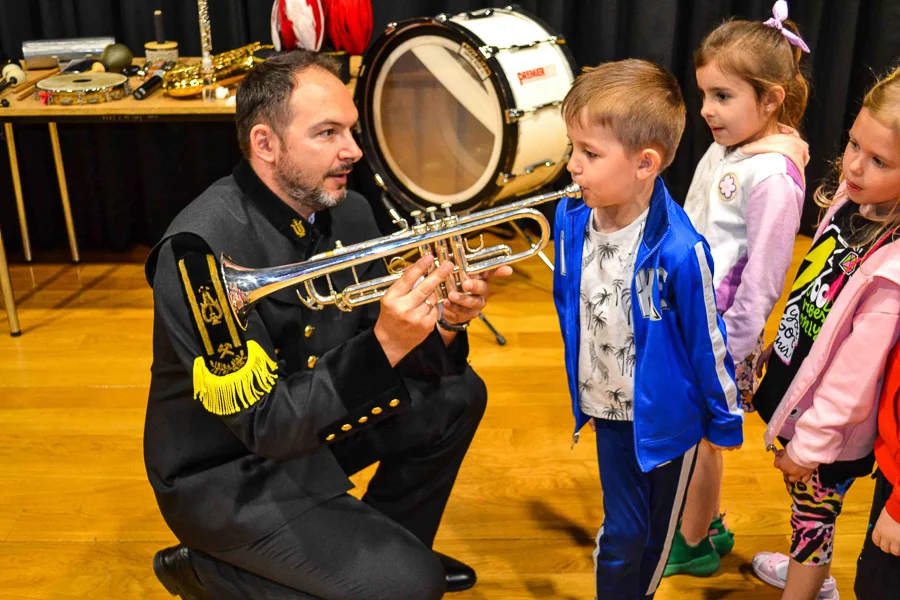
(409, 311)
(460, 308)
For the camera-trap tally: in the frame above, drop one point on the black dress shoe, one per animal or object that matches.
(460, 576)
(172, 567)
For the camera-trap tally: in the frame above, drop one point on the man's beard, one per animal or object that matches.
(308, 195)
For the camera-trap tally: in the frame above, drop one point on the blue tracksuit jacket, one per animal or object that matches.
(684, 386)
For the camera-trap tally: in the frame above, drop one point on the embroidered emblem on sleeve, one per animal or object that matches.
(233, 373)
(728, 186)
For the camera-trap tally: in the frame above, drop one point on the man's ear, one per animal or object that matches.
(264, 143)
(649, 163)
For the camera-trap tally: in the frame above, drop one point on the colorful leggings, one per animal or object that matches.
(815, 509)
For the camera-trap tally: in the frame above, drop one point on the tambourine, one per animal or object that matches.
(82, 88)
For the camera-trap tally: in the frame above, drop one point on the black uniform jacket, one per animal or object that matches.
(239, 422)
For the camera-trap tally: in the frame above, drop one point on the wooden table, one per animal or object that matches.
(156, 108)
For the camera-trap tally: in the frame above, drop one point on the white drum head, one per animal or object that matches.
(452, 151)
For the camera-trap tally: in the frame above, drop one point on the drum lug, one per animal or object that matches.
(478, 14)
(390, 27)
(550, 104)
(504, 178)
(488, 51)
(513, 114)
(533, 167)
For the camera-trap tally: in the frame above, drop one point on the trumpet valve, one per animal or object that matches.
(449, 218)
(433, 221)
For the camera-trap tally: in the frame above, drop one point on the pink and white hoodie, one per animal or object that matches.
(748, 208)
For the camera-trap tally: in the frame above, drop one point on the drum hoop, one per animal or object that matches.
(364, 96)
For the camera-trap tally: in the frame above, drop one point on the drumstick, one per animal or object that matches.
(29, 89)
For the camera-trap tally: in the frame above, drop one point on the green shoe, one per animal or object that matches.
(722, 538)
(701, 560)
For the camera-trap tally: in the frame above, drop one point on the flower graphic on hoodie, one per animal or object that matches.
(728, 186)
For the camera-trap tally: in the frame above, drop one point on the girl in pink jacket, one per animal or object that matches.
(824, 370)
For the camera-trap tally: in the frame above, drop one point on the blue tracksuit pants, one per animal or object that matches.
(641, 513)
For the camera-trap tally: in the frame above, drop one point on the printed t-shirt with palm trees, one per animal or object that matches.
(606, 354)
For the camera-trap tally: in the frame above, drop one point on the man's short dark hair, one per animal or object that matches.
(263, 96)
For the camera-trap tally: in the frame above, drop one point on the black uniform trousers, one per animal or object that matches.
(380, 548)
(877, 572)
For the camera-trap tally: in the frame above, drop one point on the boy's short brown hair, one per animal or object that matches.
(639, 101)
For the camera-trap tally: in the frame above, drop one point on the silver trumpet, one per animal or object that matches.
(442, 236)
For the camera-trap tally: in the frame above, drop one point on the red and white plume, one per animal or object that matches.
(298, 23)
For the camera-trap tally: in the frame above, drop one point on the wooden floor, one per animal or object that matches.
(78, 519)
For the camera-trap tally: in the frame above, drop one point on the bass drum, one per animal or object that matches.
(464, 109)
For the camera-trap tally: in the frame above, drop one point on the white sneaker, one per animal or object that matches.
(772, 567)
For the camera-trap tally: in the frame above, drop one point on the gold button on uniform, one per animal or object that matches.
(308, 331)
(346, 427)
(330, 437)
(394, 403)
(363, 419)
(311, 361)
(376, 411)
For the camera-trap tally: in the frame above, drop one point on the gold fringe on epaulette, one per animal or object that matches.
(228, 394)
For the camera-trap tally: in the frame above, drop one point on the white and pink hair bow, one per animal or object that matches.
(780, 14)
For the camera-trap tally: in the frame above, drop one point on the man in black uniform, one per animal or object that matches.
(251, 433)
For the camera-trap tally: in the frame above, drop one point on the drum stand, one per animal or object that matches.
(531, 243)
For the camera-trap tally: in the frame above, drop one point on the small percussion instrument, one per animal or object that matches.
(82, 88)
(165, 51)
(465, 109)
(161, 48)
(47, 54)
(116, 57)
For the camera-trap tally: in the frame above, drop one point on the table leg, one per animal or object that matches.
(9, 300)
(64, 191)
(17, 187)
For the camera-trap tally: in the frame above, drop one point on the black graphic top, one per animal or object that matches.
(804, 314)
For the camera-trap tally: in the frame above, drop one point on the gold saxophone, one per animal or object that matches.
(230, 67)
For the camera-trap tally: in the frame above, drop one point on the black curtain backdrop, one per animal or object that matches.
(127, 181)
